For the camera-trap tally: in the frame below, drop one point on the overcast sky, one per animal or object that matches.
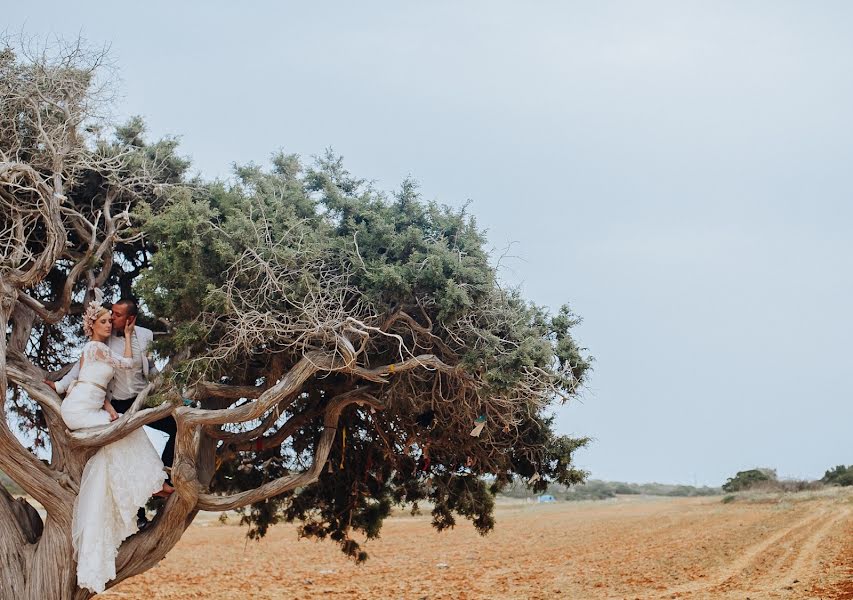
(679, 172)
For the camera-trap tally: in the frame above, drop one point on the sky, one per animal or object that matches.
(678, 172)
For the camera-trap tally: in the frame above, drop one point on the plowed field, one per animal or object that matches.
(788, 547)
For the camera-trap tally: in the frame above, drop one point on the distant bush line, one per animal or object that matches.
(765, 480)
(595, 489)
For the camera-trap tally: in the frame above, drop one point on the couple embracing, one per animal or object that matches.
(120, 478)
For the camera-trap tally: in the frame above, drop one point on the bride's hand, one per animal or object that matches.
(129, 326)
(112, 412)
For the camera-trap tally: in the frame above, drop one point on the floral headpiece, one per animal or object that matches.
(92, 311)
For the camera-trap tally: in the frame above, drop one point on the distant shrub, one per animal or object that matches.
(798, 485)
(593, 494)
(593, 490)
(840, 475)
(623, 488)
(745, 480)
(728, 499)
(765, 480)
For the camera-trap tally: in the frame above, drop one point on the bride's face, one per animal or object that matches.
(103, 326)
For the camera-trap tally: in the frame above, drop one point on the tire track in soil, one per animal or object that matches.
(835, 581)
(809, 555)
(798, 563)
(763, 563)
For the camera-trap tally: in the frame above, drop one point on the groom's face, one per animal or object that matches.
(119, 318)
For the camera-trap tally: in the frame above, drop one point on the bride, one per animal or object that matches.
(122, 475)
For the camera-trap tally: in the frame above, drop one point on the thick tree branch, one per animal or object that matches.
(36, 478)
(295, 480)
(290, 384)
(95, 437)
(22, 320)
(18, 519)
(53, 490)
(312, 363)
(29, 378)
(208, 389)
(276, 439)
(241, 436)
(288, 428)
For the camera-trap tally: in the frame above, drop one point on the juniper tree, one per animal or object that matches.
(329, 349)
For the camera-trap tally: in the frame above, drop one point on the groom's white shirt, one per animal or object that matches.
(126, 383)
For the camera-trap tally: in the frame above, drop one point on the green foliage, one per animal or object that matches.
(382, 310)
(745, 480)
(840, 475)
(243, 279)
(321, 233)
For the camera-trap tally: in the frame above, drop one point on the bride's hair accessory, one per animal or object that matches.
(92, 311)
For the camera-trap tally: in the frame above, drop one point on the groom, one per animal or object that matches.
(127, 383)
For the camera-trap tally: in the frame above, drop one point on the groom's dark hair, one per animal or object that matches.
(131, 303)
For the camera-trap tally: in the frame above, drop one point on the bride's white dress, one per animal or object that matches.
(117, 480)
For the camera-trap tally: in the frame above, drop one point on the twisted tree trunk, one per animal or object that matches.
(37, 555)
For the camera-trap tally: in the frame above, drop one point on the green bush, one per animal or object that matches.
(840, 475)
(745, 480)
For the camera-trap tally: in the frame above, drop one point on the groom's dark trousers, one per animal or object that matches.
(166, 425)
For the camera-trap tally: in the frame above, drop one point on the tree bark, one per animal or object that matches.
(37, 558)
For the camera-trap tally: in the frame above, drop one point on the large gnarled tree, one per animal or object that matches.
(330, 349)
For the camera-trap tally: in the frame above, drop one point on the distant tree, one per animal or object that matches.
(744, 480)
(623, 488)
(840, 475)
(330, 349)
(592, 490)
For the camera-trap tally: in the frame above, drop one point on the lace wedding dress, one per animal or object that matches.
(117, 480)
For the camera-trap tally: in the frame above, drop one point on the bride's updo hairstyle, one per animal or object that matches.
(93, 312)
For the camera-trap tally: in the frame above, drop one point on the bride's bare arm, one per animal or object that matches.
(108, 406)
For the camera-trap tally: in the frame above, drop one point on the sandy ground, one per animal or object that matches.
(791, 547)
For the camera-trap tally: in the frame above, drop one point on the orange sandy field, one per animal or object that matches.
(791, 547)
